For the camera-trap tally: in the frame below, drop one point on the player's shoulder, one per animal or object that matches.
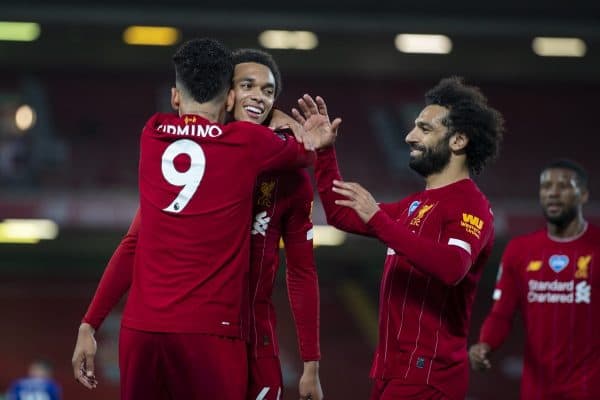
(245, 127)
(467, 198)
(524, 241)
(593, 229)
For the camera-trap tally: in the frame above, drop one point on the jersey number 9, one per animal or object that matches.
(188, 180)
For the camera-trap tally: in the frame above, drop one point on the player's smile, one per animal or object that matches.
(254, 112)
(417, 150)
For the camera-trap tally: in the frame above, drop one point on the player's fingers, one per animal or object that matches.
(345, 192)
(322, 106)
(345, 203)
(336, 124)
(352, 186)
(310, 102)
(298, 117)
(304, 108)
(83, 379)
(77, 363)
(89, 364)
(343, 184)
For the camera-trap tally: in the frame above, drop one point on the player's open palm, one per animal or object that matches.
(83, 357)
(313, 116)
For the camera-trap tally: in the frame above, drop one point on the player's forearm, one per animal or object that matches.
(115, 282)
(446, 263)
(311, 367)
(291, 155)
(495, 330)
(303, 292)
(344, 218)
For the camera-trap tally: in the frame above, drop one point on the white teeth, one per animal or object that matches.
(253, 109)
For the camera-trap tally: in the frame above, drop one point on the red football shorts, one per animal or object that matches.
(191, 366)
(394, 389)
(264, 381)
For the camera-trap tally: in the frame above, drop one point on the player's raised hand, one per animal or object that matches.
(357, 198)
(309, 387)
(83, 357)
(479, 357)
(280, 120)
(320, 131)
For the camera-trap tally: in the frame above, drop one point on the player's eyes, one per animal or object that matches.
(269, 92)
(245, 85)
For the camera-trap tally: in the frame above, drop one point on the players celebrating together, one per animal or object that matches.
(222, 182)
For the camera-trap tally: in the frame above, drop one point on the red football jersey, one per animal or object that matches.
(550, 281)
(282, 209)
(192, 257)
(438, 242)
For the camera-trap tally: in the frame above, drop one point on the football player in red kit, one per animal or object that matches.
(438, 242)
(185, 320)
(548, 276)
(256, 84)
(282, 209)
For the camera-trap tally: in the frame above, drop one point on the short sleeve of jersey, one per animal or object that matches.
(468, 225)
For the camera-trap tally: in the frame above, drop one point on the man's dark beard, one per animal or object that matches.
(563, 219)
(432, 160)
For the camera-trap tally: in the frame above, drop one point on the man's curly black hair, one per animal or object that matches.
(259, 57)
(204, 67)
(469, 113)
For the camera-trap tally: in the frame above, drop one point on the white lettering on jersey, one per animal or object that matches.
(261, 224)
(583, 293)
(460, 243)
(390, 252)
(554, 286)
(192, 130)
(559, 292)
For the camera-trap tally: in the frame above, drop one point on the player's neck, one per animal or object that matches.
(568, 230)
(453, 172)
(205, 110)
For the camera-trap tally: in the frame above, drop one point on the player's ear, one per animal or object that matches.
(458, 142)
(230, 103)
(175, 98)
(585, 195)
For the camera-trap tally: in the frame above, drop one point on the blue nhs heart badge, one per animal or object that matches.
(558, 262)
(413, 206)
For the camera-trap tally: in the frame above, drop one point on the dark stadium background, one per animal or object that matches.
(92, 93)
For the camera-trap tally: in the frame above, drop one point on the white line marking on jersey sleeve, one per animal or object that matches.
(460, 243)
